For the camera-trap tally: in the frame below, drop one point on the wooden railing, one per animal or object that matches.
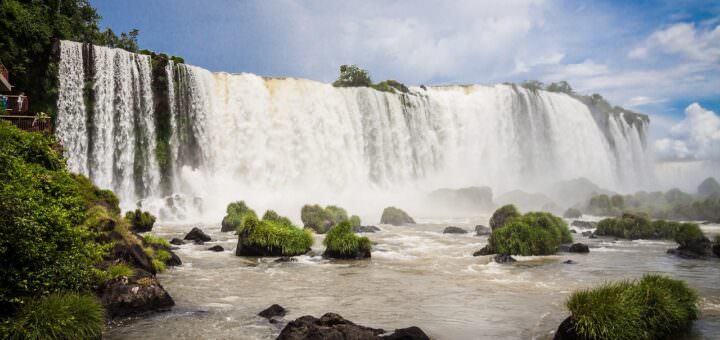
(29, 123)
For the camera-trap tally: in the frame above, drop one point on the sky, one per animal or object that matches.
(659, 57)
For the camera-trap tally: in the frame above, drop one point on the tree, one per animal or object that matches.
(561, 86)
(352, 76)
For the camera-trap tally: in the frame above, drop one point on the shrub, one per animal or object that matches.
(341, 240)
(271, 215)
(501, 215)
(158, 265)
(688, 233)
(236, 211)
(391, 86)
(322, 219)
(118, 270)
(638, 226)
(57, 316)
(276, 235)
(572, 213)
(140, 221)
(395, 216)
(535, 233)
(651, 308)
(155, 240)
(352, 76)
(355, 221)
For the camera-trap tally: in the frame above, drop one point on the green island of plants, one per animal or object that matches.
(395, 216)
(236, 212)
(140, 221)
(272, 236)
(638, 226)
(534, 233)
(321, 219)
(654, 307)
(341, 242)
(354, 76)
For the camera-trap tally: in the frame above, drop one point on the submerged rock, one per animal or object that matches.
(454, 230)
(176, 241)
(504, 258)
(122, 297)
(198, 236)
(216, 248)
(285, 259)
(569, 262)
(366, 229)
(572, 231)
(575, 248)
(694, 250)
(486, 250)
(332, 326)
(273, 311)
(481, 230)
(566, 330)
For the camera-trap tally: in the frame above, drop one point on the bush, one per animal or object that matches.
(341, 240)
(500, 216)
(688, 233)
(271, 215)
(57, 316)
(535, 233)
(395, 216)
(355, 221)
(352, 76)
(322, 219)
(118, 270)
(276, 235)
(236, 211)
(572, 213)
(651, 308)
(638, 226)
(391, 86)
(157, 241)
(140, 221)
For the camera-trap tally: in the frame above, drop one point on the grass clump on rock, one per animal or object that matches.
(534, 233)
(503, 214)
(638, 226)
(572, 213)
(321, 219)
(653, 307)
(395, 216)
(57, 316)
(140, 221)
(236, 211)
(271, 238)
(342, 243)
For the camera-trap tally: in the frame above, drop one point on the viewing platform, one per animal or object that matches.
(29, 123)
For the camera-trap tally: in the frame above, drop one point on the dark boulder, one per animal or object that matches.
(486, 250)
(503, 258)
(285, 259)
(694, 250)
(196, 235)
(481, 230)
(174, 260)
(334, 327)
(358, 255)
(569, 262)
(587, 233)
(176, 241)
(122, 297)
(132, 254)
(366, 229)
(216, 248)
(273, 311)
(572, 231)
(454, 230)
(716, 249)
(566, 330)
(584, 224)
(578, 248)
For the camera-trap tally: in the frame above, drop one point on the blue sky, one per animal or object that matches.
(656, 57)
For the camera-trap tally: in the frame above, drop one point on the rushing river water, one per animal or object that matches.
(417, 277)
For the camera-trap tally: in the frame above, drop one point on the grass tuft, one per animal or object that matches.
(277, 235)
(535, 233)
(155, 240)
(341, 239)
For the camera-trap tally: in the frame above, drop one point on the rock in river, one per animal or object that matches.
(333, 326)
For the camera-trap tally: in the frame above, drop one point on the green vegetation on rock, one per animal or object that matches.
(236, 212)
(273, 238)
(572, 213)
(534, 233)
(395, 216)
(638, 226)
(140, 221)
(57, 316)
(502, 215)
(653, 307)
(271, 215)
(341, 242)
(355, 221)
(322, 219)
(354, 76)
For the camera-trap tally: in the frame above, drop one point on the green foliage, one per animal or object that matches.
(322, 219)
(638, 226)
(341, 239)
(236, 211)
(155, 240)
(118, 270)
(158, 265)
(140, 220)
(276, 235)
(572, 213)
(44, 246)
(336, 213)
(28, 29)
(391, 86)
(355, 221)
(503, 214)
(673, 204)
(561, 86)
(535, 233)
(271, 215)
(352, 76)
(395, 216)
(651, 308)
(57, 316)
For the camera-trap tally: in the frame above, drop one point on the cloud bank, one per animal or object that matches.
(697, 137)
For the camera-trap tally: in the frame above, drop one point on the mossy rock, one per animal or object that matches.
(320, 219)
(572, 213)
(503, 214)
(342, 243)
(140, 221)
(235, 212)
(535, 233)
(395, 216)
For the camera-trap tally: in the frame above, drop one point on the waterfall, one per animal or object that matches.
(283, 142)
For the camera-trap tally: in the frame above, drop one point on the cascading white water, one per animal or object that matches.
(283, 142)
(71, 123)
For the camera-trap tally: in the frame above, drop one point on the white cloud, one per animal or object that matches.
(682, 39)
(696, 137)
